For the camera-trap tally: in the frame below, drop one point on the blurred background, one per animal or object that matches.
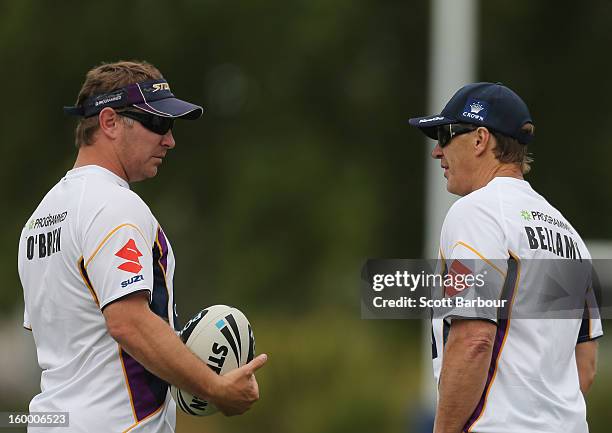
(302, 167)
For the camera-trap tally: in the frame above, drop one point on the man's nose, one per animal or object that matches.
(436, 153)
(168, 140)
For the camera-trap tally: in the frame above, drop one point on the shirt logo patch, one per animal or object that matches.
(458, 273)
(130, 253)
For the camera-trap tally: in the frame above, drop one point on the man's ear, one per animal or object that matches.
(109, 123)
(482, 141)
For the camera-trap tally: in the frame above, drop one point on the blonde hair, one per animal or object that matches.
(105, 78)
(510, 150)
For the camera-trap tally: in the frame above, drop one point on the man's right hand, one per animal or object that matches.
(236, 391)
(154, 344)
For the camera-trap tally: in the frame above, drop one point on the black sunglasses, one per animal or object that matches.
(157, 124)
(447, 132)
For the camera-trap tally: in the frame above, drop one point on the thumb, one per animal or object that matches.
(257, 363)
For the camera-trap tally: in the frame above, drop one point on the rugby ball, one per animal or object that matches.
(222, 337)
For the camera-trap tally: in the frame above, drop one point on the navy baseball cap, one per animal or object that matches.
(152, 96)
(491, 105)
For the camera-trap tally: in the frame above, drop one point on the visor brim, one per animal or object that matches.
(429, 124)
(172, 107)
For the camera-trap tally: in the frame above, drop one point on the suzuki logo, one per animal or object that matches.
(130, 253)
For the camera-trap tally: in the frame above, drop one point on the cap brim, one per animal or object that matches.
(172, 107)
(429, 124)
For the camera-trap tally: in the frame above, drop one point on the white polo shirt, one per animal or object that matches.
(507, 230)
(92, 241)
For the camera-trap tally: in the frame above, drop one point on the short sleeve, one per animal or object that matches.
(590, 327)
(26, 319)
(475, 263)
(117, 257)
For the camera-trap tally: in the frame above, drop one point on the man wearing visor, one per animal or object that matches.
(497, 372)
(97, 270)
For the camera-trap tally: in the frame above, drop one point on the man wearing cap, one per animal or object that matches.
(97, 269)
(495, 372)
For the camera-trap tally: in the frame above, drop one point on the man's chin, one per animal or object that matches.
(144, 175)
(152, 172)
(456, 191)
(452, 188)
